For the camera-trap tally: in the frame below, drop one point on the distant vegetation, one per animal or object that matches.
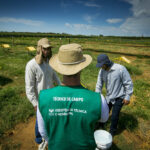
(50, 34)
(38, 34)
(102, 39)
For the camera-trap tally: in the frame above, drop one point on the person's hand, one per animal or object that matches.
(125, 102)
(35, 108)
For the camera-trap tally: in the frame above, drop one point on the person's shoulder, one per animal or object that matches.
(122, 67)
(118, 66)
(95, 94)
(90, 92)
(46, 91)
(31, 63)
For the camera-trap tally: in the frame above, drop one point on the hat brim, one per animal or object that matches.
(99, 65)
(69, 69)
(47, 46)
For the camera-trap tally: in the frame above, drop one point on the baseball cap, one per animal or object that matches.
(102, 59)
(44, 42)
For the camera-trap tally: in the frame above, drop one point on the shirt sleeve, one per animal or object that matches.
(30, 85)
(41, 125)
(104, 110)
(127, 83)
(99, 84)
(56, 79)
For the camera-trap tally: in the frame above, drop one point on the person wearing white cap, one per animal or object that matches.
(67, 114)
(38, 76)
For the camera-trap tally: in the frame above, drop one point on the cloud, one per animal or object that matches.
(90, 18)
(89, 3)
(68, 24)
(114, 20)
(22, 21)
(131, 27)
(79, 26)
(138, 24)
(82, 27)
(140, 7)
(91, 29)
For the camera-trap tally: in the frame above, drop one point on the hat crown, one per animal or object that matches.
(70, 54)
(102, 57)
(43, 42)
(70, 59)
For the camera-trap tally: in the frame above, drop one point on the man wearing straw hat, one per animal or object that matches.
(38, 76)
(67, 113)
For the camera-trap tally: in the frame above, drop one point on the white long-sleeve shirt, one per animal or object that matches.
(37, 78)
(104, 118)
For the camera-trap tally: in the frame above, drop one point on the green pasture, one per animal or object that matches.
(134, 123)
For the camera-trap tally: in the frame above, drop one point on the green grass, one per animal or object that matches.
(11, 147)
(16, 108)
(141, 91)
(148, 62)
(142, 85)
(133, 70)
(14, 105)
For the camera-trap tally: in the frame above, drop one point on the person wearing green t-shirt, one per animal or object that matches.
(67, 114)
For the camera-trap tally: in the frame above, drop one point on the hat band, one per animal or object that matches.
(72, 63)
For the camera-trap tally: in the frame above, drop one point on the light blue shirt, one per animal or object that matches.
(117, 81)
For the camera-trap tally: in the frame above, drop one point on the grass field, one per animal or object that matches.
(134, 123)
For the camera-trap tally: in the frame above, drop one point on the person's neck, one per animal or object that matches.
(45, 59)
(107, 69)
(73, 80)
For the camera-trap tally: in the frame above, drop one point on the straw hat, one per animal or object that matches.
(70, 59)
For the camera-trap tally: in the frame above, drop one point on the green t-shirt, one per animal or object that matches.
(70, 114)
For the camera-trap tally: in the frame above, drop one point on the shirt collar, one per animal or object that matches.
(112, 67)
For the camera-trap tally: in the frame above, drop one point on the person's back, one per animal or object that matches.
(70, 114)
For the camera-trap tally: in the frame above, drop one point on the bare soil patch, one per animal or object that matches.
(21, 137)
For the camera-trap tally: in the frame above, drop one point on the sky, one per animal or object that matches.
(85, 17)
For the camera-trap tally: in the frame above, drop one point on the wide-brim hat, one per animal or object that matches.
(70, 59)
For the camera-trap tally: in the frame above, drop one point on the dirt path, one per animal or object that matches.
(21, 138)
